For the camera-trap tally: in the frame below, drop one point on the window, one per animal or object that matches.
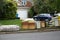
(23, 2)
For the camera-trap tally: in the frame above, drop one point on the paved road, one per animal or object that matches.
(32, 36)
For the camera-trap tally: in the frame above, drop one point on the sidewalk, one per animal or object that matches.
(31, 31)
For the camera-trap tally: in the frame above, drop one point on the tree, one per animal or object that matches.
(8, 9)
(58, 5)
(53, 5)
(47, 6)
(31, 12)
(41, 6)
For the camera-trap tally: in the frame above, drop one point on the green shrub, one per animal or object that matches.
(8, 9)
(31, 12)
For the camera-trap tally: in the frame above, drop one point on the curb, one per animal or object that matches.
(30, 31)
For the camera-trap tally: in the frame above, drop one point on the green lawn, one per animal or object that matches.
(11, 22)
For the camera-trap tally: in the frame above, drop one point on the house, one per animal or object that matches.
(23, 7)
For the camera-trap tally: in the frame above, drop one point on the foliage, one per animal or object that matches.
(31, 12)
(40, 6)
(8, 9)
(46, 6)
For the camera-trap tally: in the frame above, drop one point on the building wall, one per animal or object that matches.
(25, 3)
(22, 13)
(23, 7)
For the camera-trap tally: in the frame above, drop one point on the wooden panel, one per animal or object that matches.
(31, 25)
(42, 23)
(24, 25)
(59, 22)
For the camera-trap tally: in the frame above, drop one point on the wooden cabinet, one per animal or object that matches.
(24, 25)
(31, 25)
(28, 25)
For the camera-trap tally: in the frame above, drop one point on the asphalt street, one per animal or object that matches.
(32, 36)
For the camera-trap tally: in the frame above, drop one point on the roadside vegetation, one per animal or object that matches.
(11, 22)
(45, 6)
(8, 9)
